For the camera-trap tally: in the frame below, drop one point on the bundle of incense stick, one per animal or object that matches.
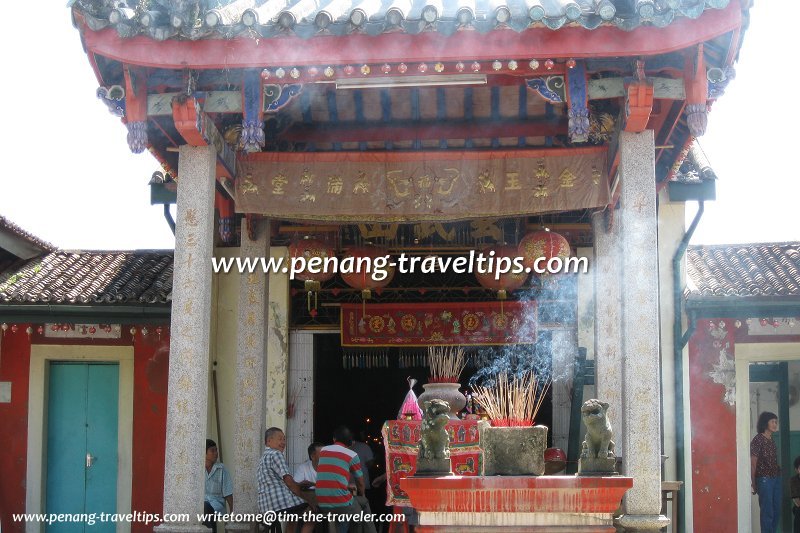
(446, 363)
(512, 403)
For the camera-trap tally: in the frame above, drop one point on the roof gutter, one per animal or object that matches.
(742, 306)
(118, 314)
(679, 342)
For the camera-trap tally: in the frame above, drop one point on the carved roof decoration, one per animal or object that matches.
(744, 270)
(695, 167)
(142, 277)
(226, 19)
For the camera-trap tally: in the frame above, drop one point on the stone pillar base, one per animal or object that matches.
(181, 528)
(642, 522)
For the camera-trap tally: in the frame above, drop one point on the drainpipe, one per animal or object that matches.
(679, 342)
(169, 218)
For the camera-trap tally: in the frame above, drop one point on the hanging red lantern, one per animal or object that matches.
(538, 247)
(313, 278)
(505, 282)
(360, 263)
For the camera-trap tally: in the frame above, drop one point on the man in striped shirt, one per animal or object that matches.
(336, 464)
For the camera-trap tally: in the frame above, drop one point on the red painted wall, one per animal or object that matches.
(149, 419)
(149, 425)
(15, 356)
(713, 430)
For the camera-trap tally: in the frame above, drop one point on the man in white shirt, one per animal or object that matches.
(306, 473)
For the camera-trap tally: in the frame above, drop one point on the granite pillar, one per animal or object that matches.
(641, 437)
(278, 396)
(187, 400)
(564, 347)
(607, 325)
(251, 353)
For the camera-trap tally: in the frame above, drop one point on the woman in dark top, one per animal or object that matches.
(765, 474)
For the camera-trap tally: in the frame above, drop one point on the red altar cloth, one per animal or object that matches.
(401, 438)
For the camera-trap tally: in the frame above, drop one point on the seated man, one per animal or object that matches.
(336, 463)
(306, 473)
(277, 489)
(219, 486)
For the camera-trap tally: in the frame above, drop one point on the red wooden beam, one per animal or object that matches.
(568, 42)
(407, 131)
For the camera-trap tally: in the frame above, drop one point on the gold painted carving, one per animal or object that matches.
(248, 187)
(371, 231)
(442, 191)
(393, 180)
(423, 231)
(567, 179)
(362, 185)
(485, 182)
(485, 228)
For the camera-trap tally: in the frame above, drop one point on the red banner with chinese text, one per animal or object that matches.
(430, 324)
(401, 440)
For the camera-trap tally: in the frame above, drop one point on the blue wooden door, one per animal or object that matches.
(82, 443)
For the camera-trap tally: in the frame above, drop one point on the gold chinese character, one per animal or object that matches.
(595, 175)
(187, 263)
(279, 181)
(335, 184)
(252, 296)
(306, 179)
(308, 197)
(485, 182)
(251, 319)
(191, 240)
(191, 217)
(362, 185)
(567, 179)
(188, 307)
(424, 182)
(512, 181)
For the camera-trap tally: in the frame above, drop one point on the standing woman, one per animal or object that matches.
(765, 474)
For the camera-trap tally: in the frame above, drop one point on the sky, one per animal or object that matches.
(71, 180)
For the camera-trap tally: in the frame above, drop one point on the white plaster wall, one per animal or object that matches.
(224, 306)
(300, 426)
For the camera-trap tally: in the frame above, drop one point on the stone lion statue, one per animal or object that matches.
(598, 443)
(434, 442)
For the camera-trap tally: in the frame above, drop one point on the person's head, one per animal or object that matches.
(765, 422)
(342, 434)
(211, 451)
(797, 464)
(274, 438)
(313, 452)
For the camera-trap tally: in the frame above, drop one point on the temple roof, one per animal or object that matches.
(81, 277)
(744, 270)
(214, 19)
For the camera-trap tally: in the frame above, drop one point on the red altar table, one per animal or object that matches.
(401, 438)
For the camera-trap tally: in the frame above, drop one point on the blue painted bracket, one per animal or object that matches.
(578, 103)
(551, 88)
(252, 139)
(277, 97)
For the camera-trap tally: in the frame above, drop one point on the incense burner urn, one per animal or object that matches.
(512, 451)
(444, 391)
